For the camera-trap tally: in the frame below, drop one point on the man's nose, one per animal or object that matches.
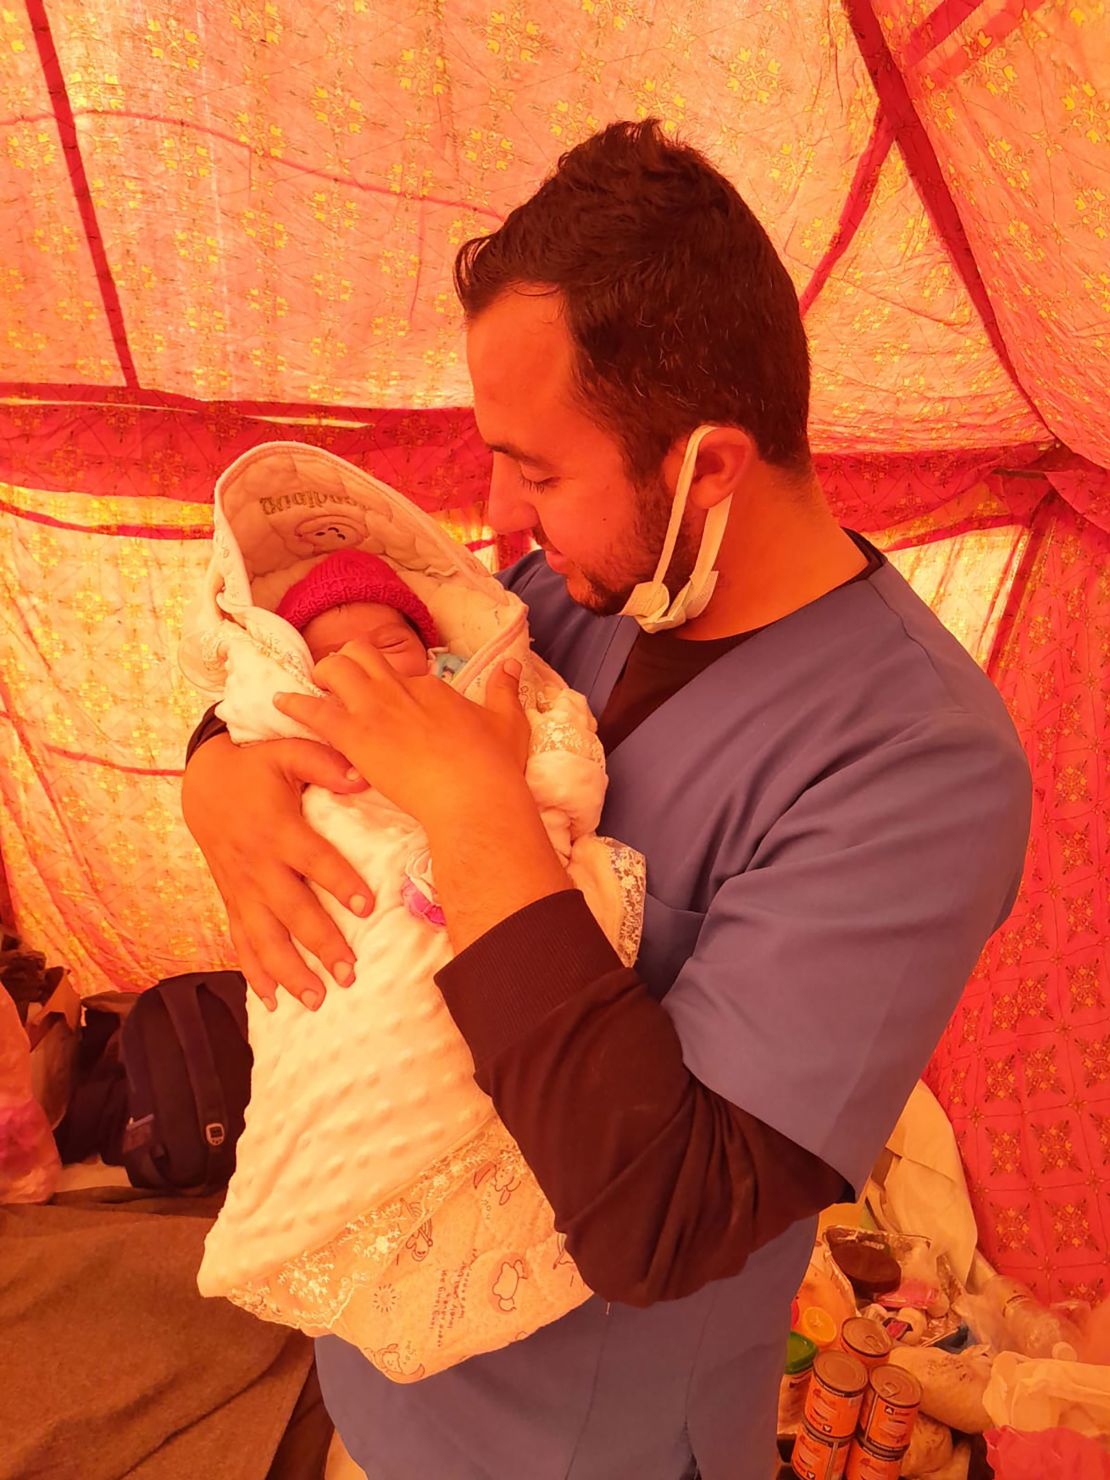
(507, 510)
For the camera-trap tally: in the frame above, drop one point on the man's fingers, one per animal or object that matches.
(310, 763)
(318, 861)
(324, 717)
(503, 688)
(503, 700)
(357, 675)
(368, 659)
(305, 919)
(272, 948)
(258, 978)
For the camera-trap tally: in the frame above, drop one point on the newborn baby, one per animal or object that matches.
(353, 596)
(383, 627)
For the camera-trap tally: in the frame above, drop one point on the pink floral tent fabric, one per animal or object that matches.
(235, 219)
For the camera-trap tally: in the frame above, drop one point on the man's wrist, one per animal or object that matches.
(475, 802)
(491, 856)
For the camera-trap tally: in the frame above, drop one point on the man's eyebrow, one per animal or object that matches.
(510, 449)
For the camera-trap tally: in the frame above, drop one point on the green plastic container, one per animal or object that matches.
(800, 1352)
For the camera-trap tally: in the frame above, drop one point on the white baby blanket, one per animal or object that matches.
(377, 1196)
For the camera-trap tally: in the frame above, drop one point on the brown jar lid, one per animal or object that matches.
(870, 1270)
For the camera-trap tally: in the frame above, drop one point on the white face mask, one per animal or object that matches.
(650, 603)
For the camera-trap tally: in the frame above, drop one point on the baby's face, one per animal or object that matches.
(366, 621)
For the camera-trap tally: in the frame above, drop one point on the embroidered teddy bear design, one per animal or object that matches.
(419, 1245)
(310, 522)
(505, 1181)
(331, 532)
(507, 1284)
(388, 1359)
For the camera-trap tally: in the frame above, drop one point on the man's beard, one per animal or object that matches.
(603, 595)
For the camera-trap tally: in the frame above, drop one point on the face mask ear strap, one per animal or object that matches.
(678, 505)
(650, 602)
(703, 580)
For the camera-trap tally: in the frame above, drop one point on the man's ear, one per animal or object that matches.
(725, 458)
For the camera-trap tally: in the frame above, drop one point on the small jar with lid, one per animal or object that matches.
(800, 1353)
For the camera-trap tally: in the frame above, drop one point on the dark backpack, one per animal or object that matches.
(188, 1065)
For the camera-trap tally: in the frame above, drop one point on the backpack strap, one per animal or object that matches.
(140, 1150)
(204, 1079)
(231, 988)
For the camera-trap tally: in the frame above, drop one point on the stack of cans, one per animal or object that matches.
(885, 1425)
(831, 1417)
(859, 1413)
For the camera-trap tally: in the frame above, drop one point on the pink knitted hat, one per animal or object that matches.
(355, 575)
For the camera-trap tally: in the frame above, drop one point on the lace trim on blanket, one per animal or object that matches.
(562, 732)
(630, 871)
(312, 1291)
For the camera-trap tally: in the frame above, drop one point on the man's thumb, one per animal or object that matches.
(503, 688)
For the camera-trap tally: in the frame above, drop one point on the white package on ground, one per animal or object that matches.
(376, 1195)
(1032, 1394)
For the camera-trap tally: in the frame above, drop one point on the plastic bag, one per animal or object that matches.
(1052, 1454)
(1035, 1395)
(826, 1292)
(29, 1162)
(919, 1185)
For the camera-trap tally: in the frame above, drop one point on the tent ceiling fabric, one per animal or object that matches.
(235, 220)
(1015, 102)
(278, 189)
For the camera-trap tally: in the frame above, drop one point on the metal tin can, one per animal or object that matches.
(866, 1341)
(835, 1394)
(866, 1463)
(817, 1457)
(889, 1409)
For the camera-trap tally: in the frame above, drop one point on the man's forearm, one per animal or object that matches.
(204, 767)
(490, 860)
(659, 1184)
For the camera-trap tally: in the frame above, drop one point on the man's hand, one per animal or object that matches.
(416, 740)
(455, 766)
(242, 804)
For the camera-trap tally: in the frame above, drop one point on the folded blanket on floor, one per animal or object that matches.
(113, 1365)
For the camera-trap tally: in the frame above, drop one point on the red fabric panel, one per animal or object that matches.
(436, 457)
(1024, 1068)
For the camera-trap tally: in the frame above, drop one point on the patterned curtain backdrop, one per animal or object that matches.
(104, 875)
(1024, 1068)
(226, 221)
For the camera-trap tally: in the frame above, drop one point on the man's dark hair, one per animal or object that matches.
(679, 306)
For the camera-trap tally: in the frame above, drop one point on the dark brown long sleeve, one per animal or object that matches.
(210, 726)
(659, 1184)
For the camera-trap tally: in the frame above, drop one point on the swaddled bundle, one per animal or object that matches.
(376, 1194)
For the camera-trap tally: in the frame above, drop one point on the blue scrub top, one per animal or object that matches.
(834, 816)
